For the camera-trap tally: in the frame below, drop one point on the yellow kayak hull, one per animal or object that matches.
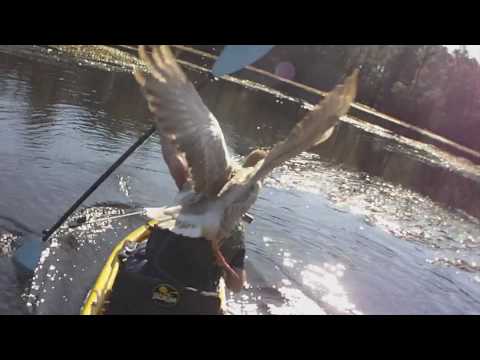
(98, 296)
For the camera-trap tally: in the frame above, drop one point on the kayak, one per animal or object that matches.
(97, 298)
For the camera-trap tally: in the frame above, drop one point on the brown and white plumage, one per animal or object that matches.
(222, 191)
(180, 113)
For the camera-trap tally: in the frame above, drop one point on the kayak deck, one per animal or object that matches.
(98, 296)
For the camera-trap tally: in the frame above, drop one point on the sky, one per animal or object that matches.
(473, 50)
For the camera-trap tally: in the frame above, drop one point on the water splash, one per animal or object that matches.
(73, 259)
(8, 243)
(124, 184)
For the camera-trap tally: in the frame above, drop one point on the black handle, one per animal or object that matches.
(47, 233)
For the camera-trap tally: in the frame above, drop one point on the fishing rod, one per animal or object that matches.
(48, 232)
(83, 219)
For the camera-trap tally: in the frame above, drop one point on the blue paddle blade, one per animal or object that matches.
(28, 255)
(236, 57)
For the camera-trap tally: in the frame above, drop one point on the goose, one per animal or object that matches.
(219, 191)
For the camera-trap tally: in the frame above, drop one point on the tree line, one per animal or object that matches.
(424, 85)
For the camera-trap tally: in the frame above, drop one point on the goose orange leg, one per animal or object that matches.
(221, 261)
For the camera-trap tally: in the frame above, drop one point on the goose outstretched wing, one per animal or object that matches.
(180, 114)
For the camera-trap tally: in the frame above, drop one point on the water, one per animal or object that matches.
(368, 223)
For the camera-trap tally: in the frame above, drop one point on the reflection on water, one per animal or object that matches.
(370, 222)
(327, 278)
(357, 244)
